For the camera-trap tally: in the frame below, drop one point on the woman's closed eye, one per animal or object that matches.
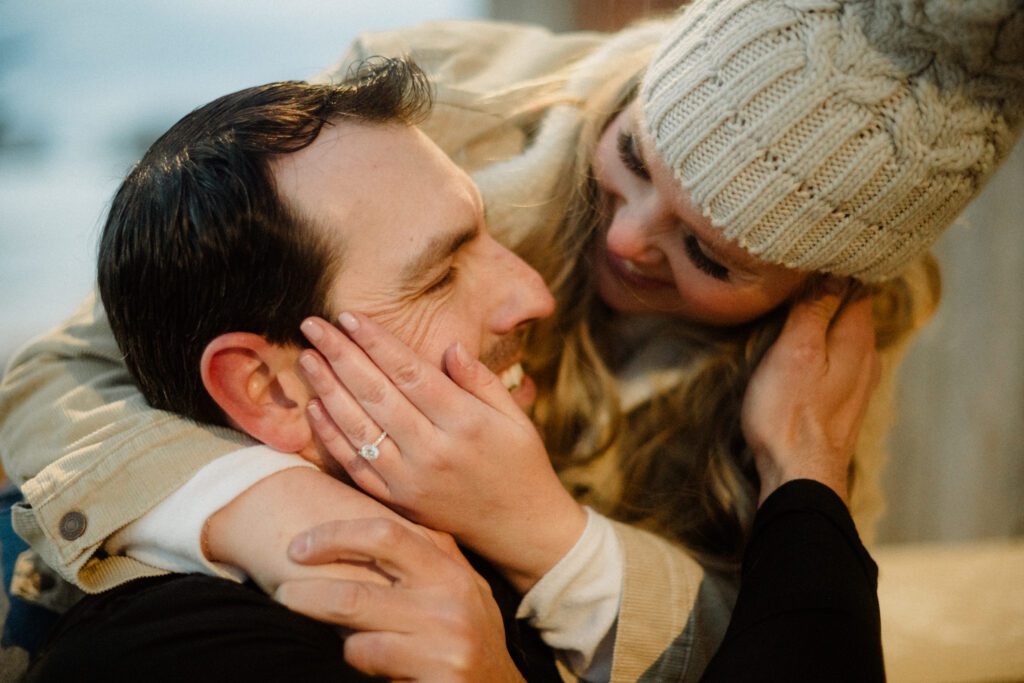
(630, 157)
(702, 261)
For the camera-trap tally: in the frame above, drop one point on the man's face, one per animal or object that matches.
(414, 253)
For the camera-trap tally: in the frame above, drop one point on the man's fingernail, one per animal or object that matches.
(312, 330)
(299, 546)
(462, 356)
(834, 285)
(349, 322)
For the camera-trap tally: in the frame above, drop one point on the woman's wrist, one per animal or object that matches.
(540, 541)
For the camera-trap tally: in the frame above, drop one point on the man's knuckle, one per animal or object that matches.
(349, 600)
(815, 314)
(459, 658)
(385, 533)
(801, 353)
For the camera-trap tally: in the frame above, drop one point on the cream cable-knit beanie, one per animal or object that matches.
(837, 136)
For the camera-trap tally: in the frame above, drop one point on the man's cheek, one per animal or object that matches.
(427, 329)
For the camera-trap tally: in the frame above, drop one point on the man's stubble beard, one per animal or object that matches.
(503, 352)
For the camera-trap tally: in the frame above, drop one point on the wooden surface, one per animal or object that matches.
(952, 612)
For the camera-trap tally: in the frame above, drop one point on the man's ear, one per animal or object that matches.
(256, 385)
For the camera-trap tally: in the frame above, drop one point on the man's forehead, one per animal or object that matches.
(385, 194)
(354, 172)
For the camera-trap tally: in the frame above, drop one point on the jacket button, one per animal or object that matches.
(72, 525)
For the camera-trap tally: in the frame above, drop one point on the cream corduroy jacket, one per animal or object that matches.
(91, 456)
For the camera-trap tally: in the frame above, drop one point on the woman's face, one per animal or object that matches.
(659, 254)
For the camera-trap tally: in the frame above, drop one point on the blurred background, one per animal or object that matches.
(85, 86)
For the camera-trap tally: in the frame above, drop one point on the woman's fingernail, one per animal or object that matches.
(309, 363)
(462, 356)
(314, 411)
(312, 330)
(349, 322)
(299, 546)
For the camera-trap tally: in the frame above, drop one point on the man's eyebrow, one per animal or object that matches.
(437, 250)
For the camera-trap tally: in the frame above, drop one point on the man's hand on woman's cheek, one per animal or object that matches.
(460, 456)
(806, 401)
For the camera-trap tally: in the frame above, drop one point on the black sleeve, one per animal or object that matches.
(808, 604)
(196, 628)
(187, 629)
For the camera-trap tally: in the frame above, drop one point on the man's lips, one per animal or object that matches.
(629, 273)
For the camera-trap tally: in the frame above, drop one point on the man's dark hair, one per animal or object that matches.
(198, 243)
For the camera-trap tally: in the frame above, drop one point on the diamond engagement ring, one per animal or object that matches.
(369, 451)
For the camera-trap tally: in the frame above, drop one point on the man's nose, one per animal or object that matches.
(525, 297)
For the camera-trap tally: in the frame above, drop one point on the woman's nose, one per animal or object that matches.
(632, 232)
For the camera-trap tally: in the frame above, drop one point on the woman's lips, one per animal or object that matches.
(625, 270)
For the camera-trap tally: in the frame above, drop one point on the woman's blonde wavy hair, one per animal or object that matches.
(681, 465)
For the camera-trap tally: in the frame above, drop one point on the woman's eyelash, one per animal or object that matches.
(702, 262)
(445, 280)
(630, 158)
